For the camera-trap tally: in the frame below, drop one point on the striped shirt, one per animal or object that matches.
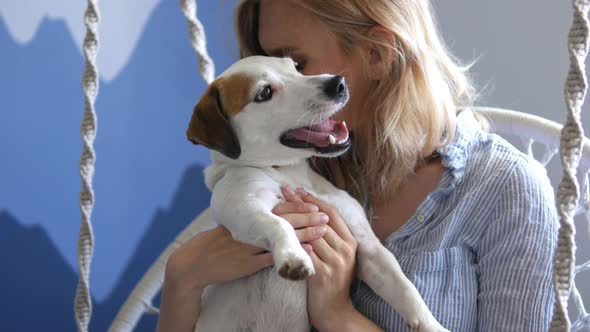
(479, 248)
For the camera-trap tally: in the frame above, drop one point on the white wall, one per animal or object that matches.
(522, 62)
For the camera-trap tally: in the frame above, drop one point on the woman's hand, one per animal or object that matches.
(207, 258)
(333, 257)
(309, 223)
(213, 257)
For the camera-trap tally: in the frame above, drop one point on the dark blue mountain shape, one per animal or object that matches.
(141, 147)
(39, 286)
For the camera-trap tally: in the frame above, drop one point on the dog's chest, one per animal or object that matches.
(264, 184)
(296, 177)
(263, 301)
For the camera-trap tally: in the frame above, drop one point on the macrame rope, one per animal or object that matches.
(568, 192)
(198, 40)
(139, 302)
(83, 301)
(583, 321)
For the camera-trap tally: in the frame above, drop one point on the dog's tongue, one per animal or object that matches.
(319, 134)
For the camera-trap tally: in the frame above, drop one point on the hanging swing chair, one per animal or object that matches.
(568, 140)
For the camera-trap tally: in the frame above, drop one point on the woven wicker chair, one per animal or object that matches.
(530, 129)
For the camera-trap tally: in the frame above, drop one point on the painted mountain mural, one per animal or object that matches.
(148, 181)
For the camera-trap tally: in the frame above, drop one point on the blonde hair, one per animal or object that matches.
(413, 111)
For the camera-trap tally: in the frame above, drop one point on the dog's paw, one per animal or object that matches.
(294, 265)
(430, 325)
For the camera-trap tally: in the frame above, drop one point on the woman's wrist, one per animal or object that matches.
(180, 307)
(179, 281)
(334, 319)
(347, 319)
(182, 289)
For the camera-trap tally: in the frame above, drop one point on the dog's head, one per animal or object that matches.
(262, 112)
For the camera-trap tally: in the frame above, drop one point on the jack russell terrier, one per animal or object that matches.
(259, 114)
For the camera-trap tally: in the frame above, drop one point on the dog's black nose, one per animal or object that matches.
(335, 87)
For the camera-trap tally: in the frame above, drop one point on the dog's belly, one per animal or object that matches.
(261, 302)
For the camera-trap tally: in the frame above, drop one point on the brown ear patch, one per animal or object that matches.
(236, 92)
(210, 124)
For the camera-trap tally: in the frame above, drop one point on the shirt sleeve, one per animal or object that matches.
(515, 255)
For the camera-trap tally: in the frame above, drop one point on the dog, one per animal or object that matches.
(262, 119)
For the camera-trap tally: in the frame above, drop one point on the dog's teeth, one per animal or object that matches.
(344, 124)
(332, 139)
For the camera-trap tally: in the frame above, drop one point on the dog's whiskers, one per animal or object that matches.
(313, 122)
(301, 117)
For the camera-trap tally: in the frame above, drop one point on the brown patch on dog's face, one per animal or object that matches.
(236, 92)
(210, 125)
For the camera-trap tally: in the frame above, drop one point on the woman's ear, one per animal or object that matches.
(380, 48)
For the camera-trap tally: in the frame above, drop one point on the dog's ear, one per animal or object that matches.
(210, 126)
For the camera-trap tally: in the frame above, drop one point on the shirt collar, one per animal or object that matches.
(454, 155)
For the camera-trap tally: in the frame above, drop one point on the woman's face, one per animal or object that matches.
(286, 29)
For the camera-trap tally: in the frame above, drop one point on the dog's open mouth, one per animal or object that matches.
(325, 137)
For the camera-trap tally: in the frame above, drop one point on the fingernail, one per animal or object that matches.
(319, 230)
(302, 192)
(289, 189)
(310, 208)
(307, 247)
(324, 218)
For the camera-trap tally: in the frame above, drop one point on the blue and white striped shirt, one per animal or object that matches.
(479, 248)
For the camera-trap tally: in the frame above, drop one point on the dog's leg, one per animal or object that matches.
(380, 270)
(264, 229)
(249, 218)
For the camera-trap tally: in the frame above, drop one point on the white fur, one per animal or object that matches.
(246, 189)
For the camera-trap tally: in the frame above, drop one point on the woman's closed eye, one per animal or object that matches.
(299, 65)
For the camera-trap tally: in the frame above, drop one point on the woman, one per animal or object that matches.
(470, 219)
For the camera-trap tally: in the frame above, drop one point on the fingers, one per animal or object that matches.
(308, 226)
(318, 264)
(333, 239)
(324, 251)
(259, 262)
(308, 234)
(294, 207)
(249, 249)
(206, 238)
(290, 194)
(307, 247)
(336, 221)
(300, 220)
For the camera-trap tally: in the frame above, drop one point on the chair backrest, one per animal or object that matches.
(530, 129)
(139, 302)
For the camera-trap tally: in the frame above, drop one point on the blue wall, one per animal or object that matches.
(148, 181)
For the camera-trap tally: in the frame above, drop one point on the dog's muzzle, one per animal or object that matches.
(335, 89)
(327, 136)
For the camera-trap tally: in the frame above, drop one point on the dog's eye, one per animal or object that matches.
(264, 95)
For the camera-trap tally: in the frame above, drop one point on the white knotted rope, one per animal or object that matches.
(568, 193)
(140, 300)
(572, 137)
(198, 40)
(83, 301)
